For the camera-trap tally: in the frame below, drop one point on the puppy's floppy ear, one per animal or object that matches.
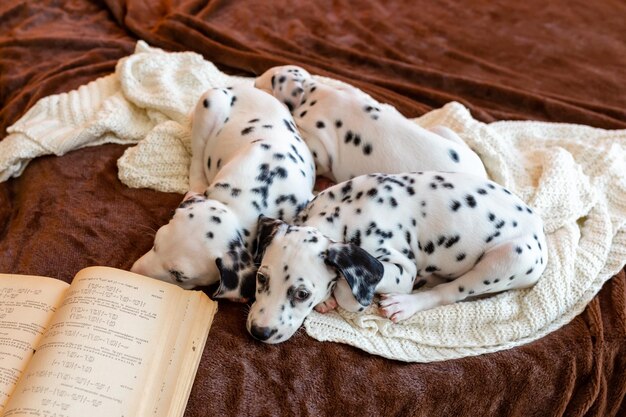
(362, 271)
(236, 285)
(266, 230)
(229, 280)
(237, 273)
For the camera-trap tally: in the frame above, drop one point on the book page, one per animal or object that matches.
(27, 304)
(181, 369)
(107, 349)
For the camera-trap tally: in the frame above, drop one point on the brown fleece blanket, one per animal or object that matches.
(561, 61)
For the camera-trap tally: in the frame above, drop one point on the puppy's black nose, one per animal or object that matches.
(261, 333)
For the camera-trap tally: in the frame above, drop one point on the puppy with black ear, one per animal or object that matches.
(248, 160)
(456, 234)
(300, 270)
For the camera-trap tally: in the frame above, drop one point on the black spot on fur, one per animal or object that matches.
(367, 149)
(452, 241)
(288, 125)
(320, 124)
(346, 188)
(460, 257)
(429, 248)
(206, 103)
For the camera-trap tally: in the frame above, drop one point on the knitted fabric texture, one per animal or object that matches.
(571, 175)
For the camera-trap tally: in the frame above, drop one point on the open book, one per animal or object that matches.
(111, 344)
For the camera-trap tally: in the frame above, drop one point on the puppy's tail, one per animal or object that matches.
(208, 119)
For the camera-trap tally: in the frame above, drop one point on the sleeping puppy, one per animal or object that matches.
(350, 134)
(390, 234)
(248, 160)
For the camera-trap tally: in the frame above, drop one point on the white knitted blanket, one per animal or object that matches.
(572, 175)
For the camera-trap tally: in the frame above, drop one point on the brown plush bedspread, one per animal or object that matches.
(560, 61)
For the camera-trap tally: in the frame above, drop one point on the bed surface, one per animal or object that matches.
(559, 62)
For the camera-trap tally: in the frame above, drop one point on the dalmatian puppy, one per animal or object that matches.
(459, 235)
(248, 160)
(350, 133)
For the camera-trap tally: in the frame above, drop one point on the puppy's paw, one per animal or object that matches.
(396, 307)
(326, 306)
